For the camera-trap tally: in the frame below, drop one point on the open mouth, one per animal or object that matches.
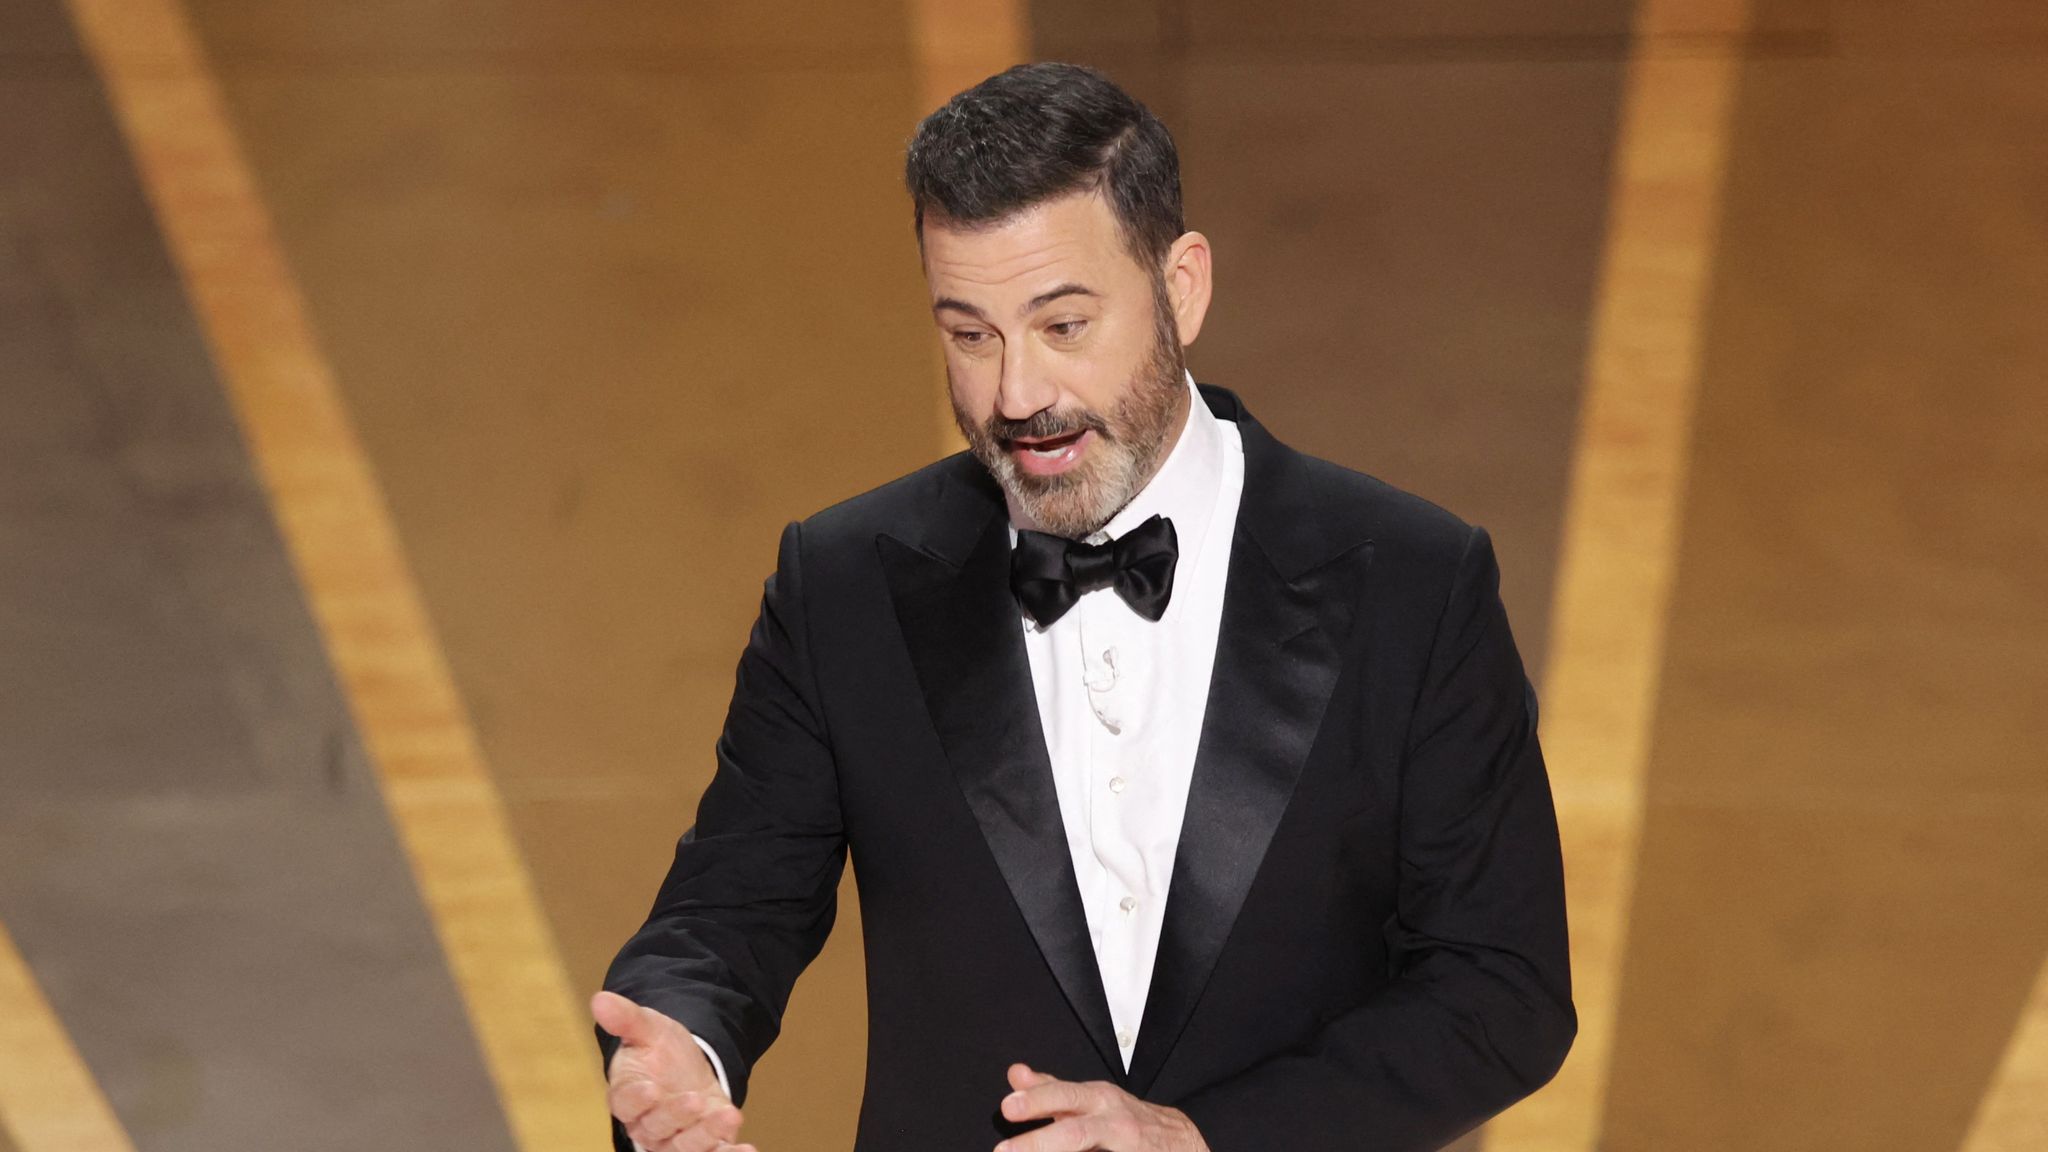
(1047, 455)
(1049, 446)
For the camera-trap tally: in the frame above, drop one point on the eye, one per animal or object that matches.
(969, 337)
(1067, 329)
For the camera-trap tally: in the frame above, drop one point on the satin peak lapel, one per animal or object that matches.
(1278, 652)
(966, 641)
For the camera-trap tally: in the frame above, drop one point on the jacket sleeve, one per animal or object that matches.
(752, 892)
(1479, 1013)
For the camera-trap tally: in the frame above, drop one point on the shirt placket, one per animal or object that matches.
(1110, 675)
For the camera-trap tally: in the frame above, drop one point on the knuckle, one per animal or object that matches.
(650, 1130)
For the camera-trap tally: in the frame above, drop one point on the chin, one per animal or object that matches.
(1061, 522)
(1073, 507)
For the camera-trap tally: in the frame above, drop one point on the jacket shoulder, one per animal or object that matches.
(1339, 507)
(1387, 510)
(902, 507)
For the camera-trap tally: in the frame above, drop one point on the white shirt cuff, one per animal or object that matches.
(717, 1065)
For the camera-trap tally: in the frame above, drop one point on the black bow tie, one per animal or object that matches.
(1049, 573)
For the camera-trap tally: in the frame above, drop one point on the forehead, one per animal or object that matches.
(1068, 238)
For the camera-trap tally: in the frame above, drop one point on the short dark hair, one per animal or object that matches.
(1037, 131)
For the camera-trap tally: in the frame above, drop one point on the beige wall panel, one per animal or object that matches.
(49, 1100)
(1910, 28)
(1321, 29)
(1315, 27)
(1834, 976)
(1621, 525)
(612, 298)
(195, 854)
(2012, 1115)
(1406, 284)
(1839, 915)
(586, 35)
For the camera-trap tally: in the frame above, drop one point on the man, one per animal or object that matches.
(1192, 784)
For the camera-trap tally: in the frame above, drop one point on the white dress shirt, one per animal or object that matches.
(1121, 700)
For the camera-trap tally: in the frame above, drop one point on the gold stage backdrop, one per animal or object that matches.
(399, 402)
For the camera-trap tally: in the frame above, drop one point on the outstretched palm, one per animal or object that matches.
(661, 1087)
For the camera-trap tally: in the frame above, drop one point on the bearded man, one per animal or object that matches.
(1192, 783)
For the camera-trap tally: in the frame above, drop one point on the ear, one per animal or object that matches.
(1188, 283)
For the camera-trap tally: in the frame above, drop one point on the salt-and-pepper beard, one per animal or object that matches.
(1132, 439)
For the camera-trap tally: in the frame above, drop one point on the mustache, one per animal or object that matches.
(1046, 424)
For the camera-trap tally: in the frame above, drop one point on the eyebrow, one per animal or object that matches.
(1030, 306)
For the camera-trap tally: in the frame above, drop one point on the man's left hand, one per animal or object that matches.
(1092, 1117)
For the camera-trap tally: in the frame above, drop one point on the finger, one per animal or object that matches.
(631, 1099)
(624, 1019)
(1023, 1076)
(654, 1130)
(1072, 1134)
(719, 1124)
(1050, 1097)
(671, 1116)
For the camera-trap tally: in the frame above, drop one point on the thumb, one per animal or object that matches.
(633, 1025)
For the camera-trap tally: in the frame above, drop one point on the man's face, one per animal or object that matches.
(1062, 355)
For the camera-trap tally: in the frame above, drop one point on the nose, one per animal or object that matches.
(1022, 392)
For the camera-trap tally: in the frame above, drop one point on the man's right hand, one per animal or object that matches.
(661, 1086)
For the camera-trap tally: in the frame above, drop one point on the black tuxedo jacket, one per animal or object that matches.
(1364, 937)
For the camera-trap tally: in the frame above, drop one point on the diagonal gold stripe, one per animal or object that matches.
(958, 44)
(2013, 1116)
(442, 800)
(1621, 529)
(49, 1101)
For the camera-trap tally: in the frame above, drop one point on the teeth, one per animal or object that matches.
(1046, 453)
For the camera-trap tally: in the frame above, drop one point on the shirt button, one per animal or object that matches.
(1124, 1039)
(1116, 784)
(1129, 904)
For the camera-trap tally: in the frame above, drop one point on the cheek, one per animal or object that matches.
(973, 388)
(1099, 380)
